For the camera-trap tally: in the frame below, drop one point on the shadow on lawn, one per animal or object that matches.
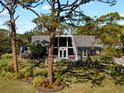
(118, 79)
(75, 73)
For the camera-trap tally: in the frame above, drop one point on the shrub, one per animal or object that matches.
(8, 76)
(38, 80)
(114, 72)
(26, 72)
(6, 67)
(93, 59)
(6, 55)
(64, 62)
(18, 75)
(58, 74)
(119, 53)
(58, 78)
(106, 59)
(37, 50)
(40, 72)
(58, 81)
(2, 65)
(108, 51)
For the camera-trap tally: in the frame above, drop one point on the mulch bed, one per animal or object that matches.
(45, 89)
(55, 89)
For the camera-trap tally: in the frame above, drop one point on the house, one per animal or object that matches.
(70, 47)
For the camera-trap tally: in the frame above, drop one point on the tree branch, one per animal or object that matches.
(16, 18)
(113, 2)
(49, 2)
(29, 8)
(4, 5)
(2, 10)
(30, 4)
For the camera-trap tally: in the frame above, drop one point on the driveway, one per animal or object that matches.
(119, 61)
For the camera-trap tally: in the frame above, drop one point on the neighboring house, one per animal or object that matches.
(70, 47)
(24, 52)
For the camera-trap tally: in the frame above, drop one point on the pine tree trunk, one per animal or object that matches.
(13, 42)
(50, 57)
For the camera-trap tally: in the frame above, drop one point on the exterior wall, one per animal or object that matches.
(84, 52)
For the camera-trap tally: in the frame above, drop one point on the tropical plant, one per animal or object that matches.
(38, 81)
(38, 51)
(6, 56)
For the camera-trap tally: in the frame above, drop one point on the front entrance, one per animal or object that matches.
(62, 54)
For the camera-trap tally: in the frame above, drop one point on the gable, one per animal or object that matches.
(84, 41)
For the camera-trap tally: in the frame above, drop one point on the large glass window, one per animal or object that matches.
(60, 53)
(56, 42)
(55, 51)
(62, 41)
(64, 53)
(69, 41)
(70, 51)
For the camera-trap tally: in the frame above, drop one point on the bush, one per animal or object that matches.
(8, 76)
(18, 75)
(108, 52)
(2, 65)
(106, 59)
(64, 62)
(6, 55)
(119, 53)
(58, 81)
(38, 80)
(37, 50)
(114, 72)
(6, 67)
(40, 72)
(58, 78)
(93, 59)
(26, 72)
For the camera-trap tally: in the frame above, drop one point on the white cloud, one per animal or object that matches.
(4, 13)
(121, 14)
(46, 7)
(121, 22)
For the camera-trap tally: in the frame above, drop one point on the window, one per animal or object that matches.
(62, 41)
(69, 41)
(56, 42)
(60, 53)
(64, 53)
(70, 51)
(85, 52)
(55, 51)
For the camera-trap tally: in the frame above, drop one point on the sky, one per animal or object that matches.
(24, 22)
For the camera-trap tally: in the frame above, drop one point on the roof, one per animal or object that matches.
(80, 41)
(84, 41)
(40, 38)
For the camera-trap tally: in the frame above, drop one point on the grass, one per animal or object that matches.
(108, 87)
(16, 86)
(81, 80)
(9, 60)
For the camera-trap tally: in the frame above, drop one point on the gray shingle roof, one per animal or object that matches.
(84, 41)
(40, 38)
(80, 41)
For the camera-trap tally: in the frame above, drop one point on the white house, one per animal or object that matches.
(70, 47)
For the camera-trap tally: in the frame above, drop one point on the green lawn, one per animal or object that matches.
(80, 80)
(16, 86)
